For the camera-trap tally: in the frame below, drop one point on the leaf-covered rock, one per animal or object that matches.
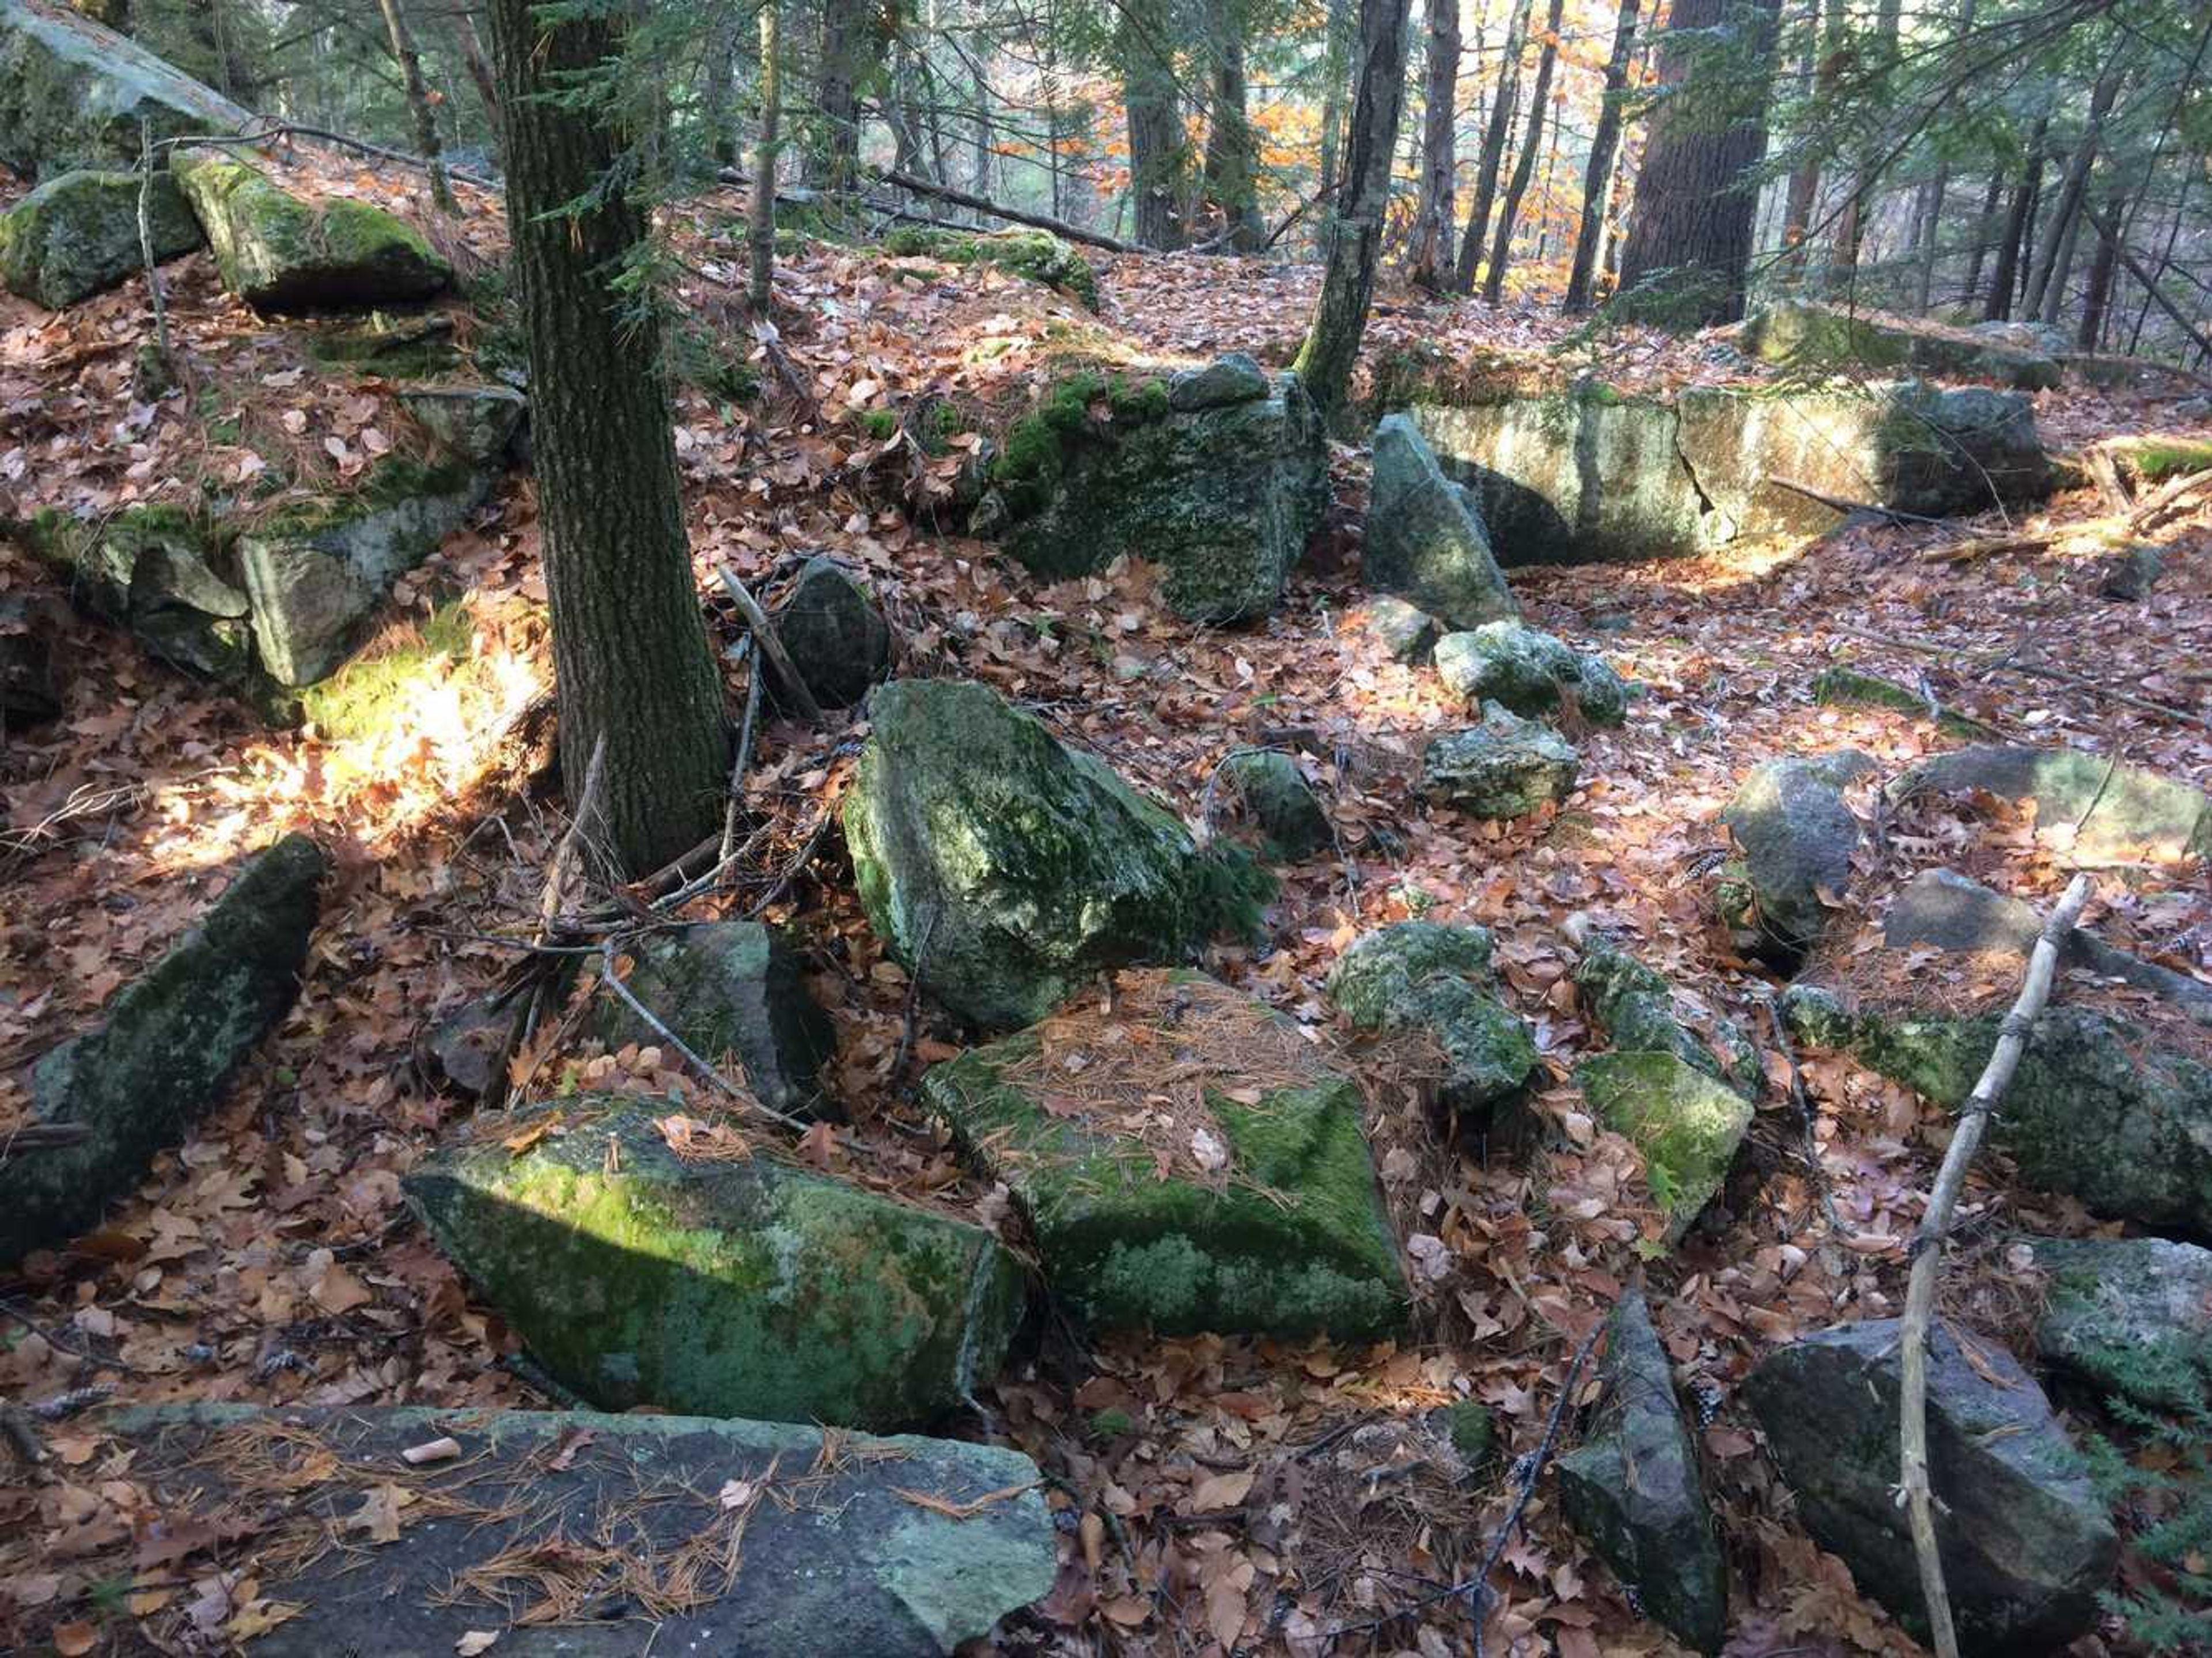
(1635, 1007)
(1506, 766)
(1426, 541)
(165, 1050)
(1273, 795)
(1825, 339)
(1686, 1123)
(1435, 981)
(1529, 672)
(280, 253)
(77, 234)
(2025, 1541)
(834, 634)
(718, 1287)
(1632, 1488)
(74, 94)
(1004, 869)
(2090, 809)
(2130, 1316)
(1796, 835)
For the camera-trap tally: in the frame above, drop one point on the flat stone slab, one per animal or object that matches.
(73, 93)
(581, 1535)
(2094, 811)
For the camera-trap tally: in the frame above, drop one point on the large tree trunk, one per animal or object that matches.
(1355, 222)
(1428, 260)
(1494, 147)
(853, 45)
(1604, 147)
(1819, 67)
(1159, 153)
(1698, 193)
(418, 102)
(760, 226)
(2058, 239)
(631, 661)
(1233, 149)
(2018, 218)
(1524, 165)
(1980, 257)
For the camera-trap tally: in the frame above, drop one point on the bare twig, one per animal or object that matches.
(748, 726)
(28, 1138)
(764, 637)
(612, 980)
(2033, 669)
(1920, 1294)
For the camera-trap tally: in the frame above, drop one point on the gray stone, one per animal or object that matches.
(2024, 1538)
(1006, 870)
(1234, 379)
(730, 989)
(1506, 766)
(1275, 798)
(1529, 672)
(74, 95)
(151, 569)
(473, 423)
(834, 635)
(2131, 1317)
(1687, 1124)
(1632, 1488)
(2129, 575)
(77, 234)
(1424, 542)
(717, 1285)
(165, 1050)
(1795, 836)
(30, 684)
(1257, 1213)
(1434, 981)
(1406, 631)
(879, 1548)
(2093, 811)
(1823, 339)
(1636, 1006)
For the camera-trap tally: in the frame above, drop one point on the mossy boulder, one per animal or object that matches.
(1221, 498)
(75, 95)
(2150, 459)
(390, 345)
(2094, 1109)
(1006, 870)
(730, 990)
(834, 634)
(723, 1286)
(160, 570)
(1632, 1488)
(1687, 1124)
(1433, 980)
(165, 1050)
(1427, 541)
(1530, 671)
(1270, 790)
(476, 424)
(1825, 339)
(1796, 835)
(2091, 809)
(77, 234)
(1185, 1164)
(1038, 255)
(279, 252)
(2131, 1317)
(1853, 688)
(1635, 1005)
(2024, 1538)
(1506, 766)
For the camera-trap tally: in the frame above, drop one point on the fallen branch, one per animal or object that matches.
(765, 636)
(1059, 227)
(31, 1137)
(260, 138)
(1845, 504)
(2034, 669)
(1920, 1294)
(2147, 279)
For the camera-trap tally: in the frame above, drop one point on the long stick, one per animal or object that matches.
(2034, 669)
(1927, 1256)
(1059, 227)
(765, 638)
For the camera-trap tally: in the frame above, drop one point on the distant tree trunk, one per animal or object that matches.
(1494, 147)
(1336, 76)
(2019, 216)
(418, 102)
(1524, 165)
(1931, 199)
(980, 145)
(1697, 195)
(1428, 260)
(1232, 159)
(760, 227)
(470, 48)
(1850, 225)
(1990, 198)
(1605, 148)
(2104, 268)
(2058, 238)
(1355, 227)
(630, 656)
(853, 46)
(1819, 67)
(722, 77)
(1159, 153)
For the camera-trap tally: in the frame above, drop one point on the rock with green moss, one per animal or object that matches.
(159, 570)
(77, 235)
(2093, 1110)
(1221, 498)
(1007, 870)
(834, 635)
(165, 1050)
(1426, 541)
(1686, 1123)
(1632, 1488)
(1506, 766)
(722, 1286)
(2150, 459)
(279, 252)
(1039, 255)
(1234, 379)
(1852, 687)
(1473, 1430)
(1406, 631)
(75, 94)
(1529, 672)
(392, 346)
(475, 423)
(1433, 980)
(1796, 835)
(1260, 1215)
(1825, 339)
(1636, 1006)
(2026, 1541)
(730, 990)
(1273, 796)
(2091, 809)
(2131, 1317)
(879, 1548)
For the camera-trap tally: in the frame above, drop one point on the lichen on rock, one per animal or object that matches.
(279, 252)
(77, 234)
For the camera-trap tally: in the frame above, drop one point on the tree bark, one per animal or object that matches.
(853, 45)
(418, 102)
(631, 660)
(1524, 165)
(2103, 272)
(1604, 147)
(1990, 198)
(2004, 278)
(721, 79)
(1690, 226)
(1500, 126)
(1159, 154)
(1819, 67)
(1355, 220)
(2059, 237)
(1232, 157)
(1428, 259)
(1336, 76)
(1850, 224)
(471, 47)
(760, 226)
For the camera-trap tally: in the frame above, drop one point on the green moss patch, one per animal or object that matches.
(1038, 255)
(1686, 1124)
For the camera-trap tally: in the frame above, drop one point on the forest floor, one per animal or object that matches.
(270, 1258)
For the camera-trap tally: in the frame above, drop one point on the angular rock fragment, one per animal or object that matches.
(1425, 542)
(1506, 766)
(2093, 810)
(1686, 1123)
(1796, 835)
(278, 251)
(834, 634)
(153, 569)
(2131, 1317)
(1274, 796)
(1636, 1006)
(75, 95)
(1435, 981)
(1406, 631)
(1530, 672)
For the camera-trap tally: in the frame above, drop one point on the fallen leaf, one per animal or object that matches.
(1222, 1491)
(475, 1641)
